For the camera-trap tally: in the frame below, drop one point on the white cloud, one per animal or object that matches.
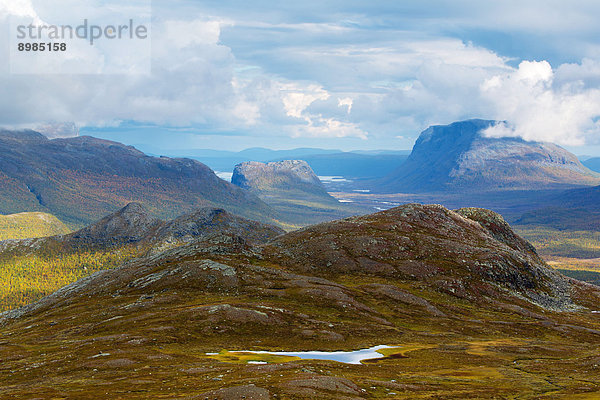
(58, 130)
(17, 8)
(296, 98)
(320, 127)
(536, 109)
(197, 32)
(346, 102)
(221, 70)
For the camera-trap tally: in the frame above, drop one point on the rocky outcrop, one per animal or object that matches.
(291, 188)
(470, 253)
(466, 300)
(276, 178)
(130, 224)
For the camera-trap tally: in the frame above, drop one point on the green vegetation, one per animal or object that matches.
(573, 253)
(555, 243)
(143, 332)
(27, 278)
(582, 275)
(30, 225)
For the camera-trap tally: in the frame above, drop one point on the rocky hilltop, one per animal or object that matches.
(135, 225)
(81, 179)
(476, 312)
(458, 157)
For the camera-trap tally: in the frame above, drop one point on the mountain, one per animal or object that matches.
(135, 225)
(574, 209)
(33, 268)
(225, 161)
(292, 188)
(30, 225)
(81, 179)
(475, 311)
(273, 177)
(592, 163)
(457, 157)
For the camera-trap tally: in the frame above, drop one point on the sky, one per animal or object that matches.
(333, 74)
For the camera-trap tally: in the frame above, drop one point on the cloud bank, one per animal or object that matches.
(332, 70)
(538, 108)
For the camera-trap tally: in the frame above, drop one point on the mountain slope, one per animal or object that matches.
(268, 179)
(30, 225)
(81, 179)
(476, 312)
(135, 225)
(575, 209)
(592, 163)
(292, 188)
(32, 268)
(457, 157)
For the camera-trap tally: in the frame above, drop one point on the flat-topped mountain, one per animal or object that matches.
(459, 157)
(270, 178)
(292, 188)
(81, 179)
(469, 302)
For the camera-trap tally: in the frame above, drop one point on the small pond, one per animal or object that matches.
(261, 357)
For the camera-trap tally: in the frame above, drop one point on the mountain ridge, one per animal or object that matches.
(81, 179)
(135, 225)
(293, 189)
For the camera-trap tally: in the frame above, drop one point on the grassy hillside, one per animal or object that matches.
(29, 277)
(470, 309)
(30, 225)
(82, 179)
(573, 253)
(586, 276)
(32, 269)
(557, 243)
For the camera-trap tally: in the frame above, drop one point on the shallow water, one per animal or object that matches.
(348, 357)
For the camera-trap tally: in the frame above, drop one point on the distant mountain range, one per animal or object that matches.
(592, 163)
(457, 157)
(81, 179)
(354, 164)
